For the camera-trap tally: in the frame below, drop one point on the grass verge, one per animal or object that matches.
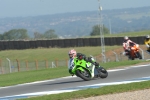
(32, 76)
(50, 53)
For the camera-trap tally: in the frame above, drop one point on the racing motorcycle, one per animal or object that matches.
(134, 51)
(87, 70)
(148, 51)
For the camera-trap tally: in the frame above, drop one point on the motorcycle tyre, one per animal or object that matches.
(103, 74)
(139, 55)
(79, 74)
(132, 58)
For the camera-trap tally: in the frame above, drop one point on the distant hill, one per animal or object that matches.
(80, 24)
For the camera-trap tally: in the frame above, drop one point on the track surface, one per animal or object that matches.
(118, 75)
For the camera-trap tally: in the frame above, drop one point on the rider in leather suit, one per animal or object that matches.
(73, 54)
(147, 43)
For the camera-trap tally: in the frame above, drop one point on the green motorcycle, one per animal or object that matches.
(87, 70)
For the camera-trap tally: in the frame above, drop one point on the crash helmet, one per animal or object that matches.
(147, 36)
(126, 38)
(72, 53)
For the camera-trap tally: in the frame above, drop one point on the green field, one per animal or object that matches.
(129, 34)
(50, 53)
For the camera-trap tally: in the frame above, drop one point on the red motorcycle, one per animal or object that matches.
(134, 52)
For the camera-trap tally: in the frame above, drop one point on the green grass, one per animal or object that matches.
(120, 64)
(31, 76)
(129, 34)
(49, 53)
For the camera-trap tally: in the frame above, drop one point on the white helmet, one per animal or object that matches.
(72, 53)
(147, 36)
(126, 38)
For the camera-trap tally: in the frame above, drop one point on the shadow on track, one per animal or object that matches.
(65, 82)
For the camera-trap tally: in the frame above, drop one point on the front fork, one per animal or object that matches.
(91, 68)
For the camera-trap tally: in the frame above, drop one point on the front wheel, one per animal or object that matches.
(103, 72)
(139, 55)
(85, 75)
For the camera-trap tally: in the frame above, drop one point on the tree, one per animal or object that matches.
(1, 36)
(50, 34)
(38, 35)
(96, 30)
(15, 34)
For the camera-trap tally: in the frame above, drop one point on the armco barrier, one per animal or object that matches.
(63, 43)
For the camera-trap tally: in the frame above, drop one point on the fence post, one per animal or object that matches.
(27, 68)
(67, 62)
(53, 65)
(18, 65)
(56, 62)
(116, 56)
(36, 64)
(1, 66)
(46, 63)
(9, 64)
(104, 57)
(142, 53)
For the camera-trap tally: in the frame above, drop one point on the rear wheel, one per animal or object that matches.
(85, 75)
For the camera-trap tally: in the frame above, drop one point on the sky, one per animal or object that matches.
(23, 8)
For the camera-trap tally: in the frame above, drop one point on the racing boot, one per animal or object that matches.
(97, 65)
(70, 71)
(100, 67)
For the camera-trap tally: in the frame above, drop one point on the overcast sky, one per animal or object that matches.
(21, 8)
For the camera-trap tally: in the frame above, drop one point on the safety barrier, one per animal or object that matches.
(63, 43)
(10, 66)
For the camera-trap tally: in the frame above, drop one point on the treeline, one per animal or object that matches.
(20, 34)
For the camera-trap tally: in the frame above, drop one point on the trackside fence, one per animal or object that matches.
(19, 66)
(64, 43)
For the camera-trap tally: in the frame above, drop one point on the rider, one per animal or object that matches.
(147, 43)
(126, 45)
(73, 54)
